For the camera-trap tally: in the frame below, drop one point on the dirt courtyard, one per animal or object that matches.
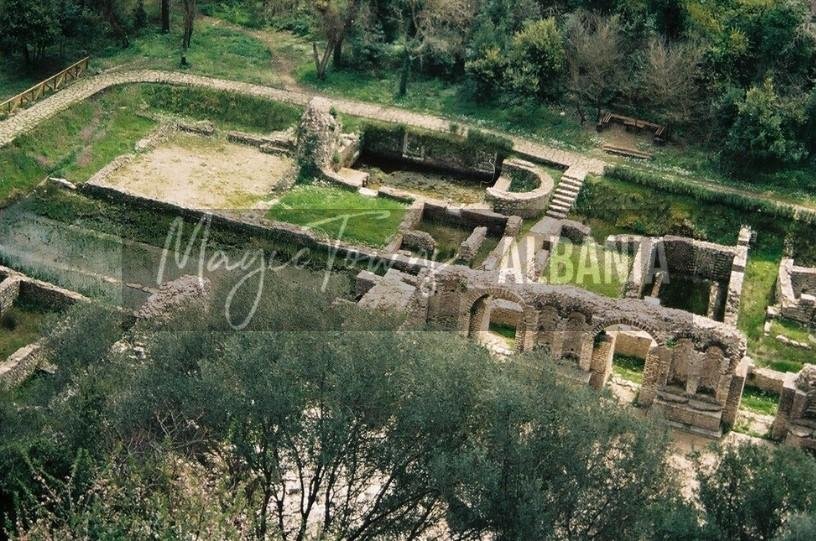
(205, 173)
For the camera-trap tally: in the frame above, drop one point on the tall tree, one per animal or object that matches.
(595, 58)
(669, 80)
(335, 18)
(165, 16)
(189, 19)
(29, 27)
(429, 25)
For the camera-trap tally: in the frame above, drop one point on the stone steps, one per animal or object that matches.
(566, 193)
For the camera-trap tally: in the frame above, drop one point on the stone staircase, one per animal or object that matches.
(566, 193)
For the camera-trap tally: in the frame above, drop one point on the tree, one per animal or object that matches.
(595, 60)
(537, 59)
(430, 26)
(189, 19)
(334, 18)
(548, 457)
(753, 490)
(669, 80)
(29, 27)
(764, 131)
(165, 16)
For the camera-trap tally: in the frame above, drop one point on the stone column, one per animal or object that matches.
(779, 428)
(732, 403)
(602, 362)
(657, 364)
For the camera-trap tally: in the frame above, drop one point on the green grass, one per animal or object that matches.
(20, 326)
(758, 401)
(446, 98)
(487, 246)
(81, 140)
(589, 266)
(628, 368)
(340, 213)
(217, 51)
(448, 237)
(792, 330)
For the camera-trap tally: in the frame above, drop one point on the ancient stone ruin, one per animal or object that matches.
(796, 292)
(795, 421)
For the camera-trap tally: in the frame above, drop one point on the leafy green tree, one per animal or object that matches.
(487, 73)
(753, 491)
(537, 59)
(549, 457)
(28, 27)
(764, 131)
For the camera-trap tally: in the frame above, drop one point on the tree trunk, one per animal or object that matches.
(405, 74)
(337, 55)
(322, 62)
(165, 16)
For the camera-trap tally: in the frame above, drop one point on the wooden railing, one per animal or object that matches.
(52, 84)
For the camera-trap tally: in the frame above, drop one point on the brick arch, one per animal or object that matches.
(656, 334)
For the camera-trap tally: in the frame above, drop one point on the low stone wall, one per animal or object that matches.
(525, 204)
(9, 292)
(264, 228)
(632, 343)
(765, 379)
(419, 241)
(494, 258)
(796, 292)
(576, 232)
(471, 245)
(20, 365)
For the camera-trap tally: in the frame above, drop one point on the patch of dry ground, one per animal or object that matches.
(205, 173)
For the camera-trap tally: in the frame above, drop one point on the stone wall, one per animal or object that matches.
(795, 421)
(698, 258)
(525, 204)
(694, 372)
(766, 379)
(471, 245)
(796, 292)
(9, 292)
(264, 228)
(20, 365)
(440, 151)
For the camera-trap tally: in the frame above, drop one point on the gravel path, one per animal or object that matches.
(28, 119)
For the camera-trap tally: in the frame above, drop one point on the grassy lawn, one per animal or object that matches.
(217, 50)
(792, 330)
(81, 140)
(589, 266)
(761, 402)
(448, 238)
(628, 368)
(20, 326)
(340, 213)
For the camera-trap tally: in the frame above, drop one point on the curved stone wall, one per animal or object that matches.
(525, 204)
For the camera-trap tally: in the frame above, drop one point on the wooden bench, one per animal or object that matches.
(633, 124)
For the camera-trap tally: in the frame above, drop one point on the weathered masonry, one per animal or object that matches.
(695, 367)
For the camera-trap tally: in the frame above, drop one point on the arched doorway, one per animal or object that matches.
(620, 357)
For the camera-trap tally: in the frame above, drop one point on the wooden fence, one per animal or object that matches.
(52, 84)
